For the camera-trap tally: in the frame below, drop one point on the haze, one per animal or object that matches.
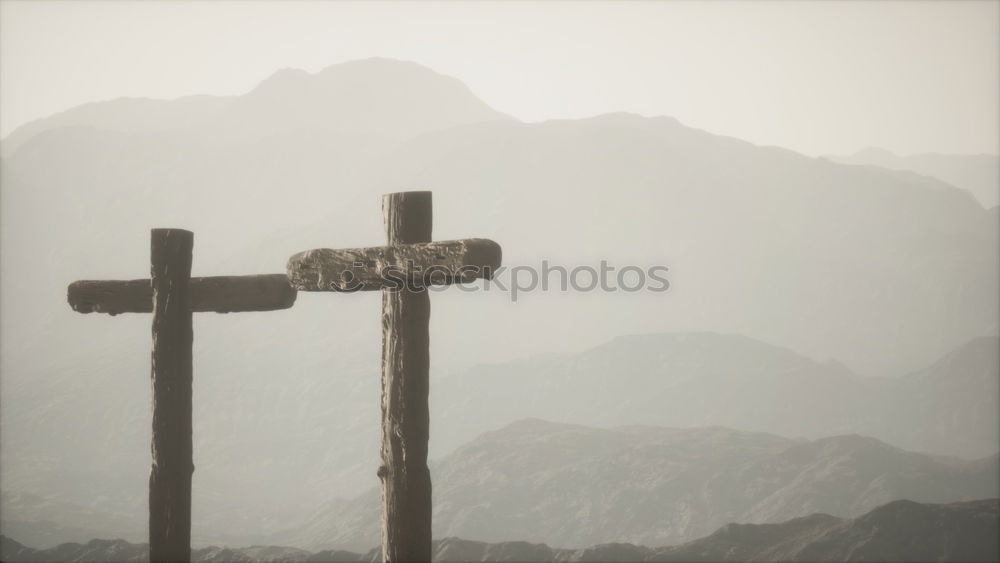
(827, 351)
(812, 76)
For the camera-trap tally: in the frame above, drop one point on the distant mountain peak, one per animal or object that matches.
(379, 97)
(852, 442)
(875, 152)
(688, 342)
(681, 337)
(385, 63)
(630, 116)
(376, 97)
(284, 74)
(363, 69)
(979, 174)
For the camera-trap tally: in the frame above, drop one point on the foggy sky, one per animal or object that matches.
(811, 76)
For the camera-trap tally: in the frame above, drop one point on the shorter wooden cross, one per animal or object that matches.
(172, 295)
(402, 270)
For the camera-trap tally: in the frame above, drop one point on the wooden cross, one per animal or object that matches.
(172, 295)
(402, 270)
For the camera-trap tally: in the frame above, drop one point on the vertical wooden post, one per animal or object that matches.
(173, 465)
(406, 480)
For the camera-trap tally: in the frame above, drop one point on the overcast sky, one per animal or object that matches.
(811, 76)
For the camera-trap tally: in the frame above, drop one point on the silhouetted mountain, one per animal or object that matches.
(977, 173)
(127, 115)
(242, 430)
(950, 407)
(692, 379)
(378, 97)
(574, 486)
(95, 550)
(374, 97)
(845, 247)
(826, 259)
(897, 531)
(48, 521)
(115, 551)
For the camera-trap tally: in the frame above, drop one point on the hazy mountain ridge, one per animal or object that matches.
(242, 422)
(693, 379)
(897, 531)
(349, 97)
(715, 209)
(44, 521)
(665, 174)
(573, 486)
(124, 115)
(361, 96)
(977, 173)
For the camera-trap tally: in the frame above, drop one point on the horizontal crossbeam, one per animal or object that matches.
(368, 269)
(218, 294)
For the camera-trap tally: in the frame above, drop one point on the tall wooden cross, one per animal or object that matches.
(402, 270)
(171, 294)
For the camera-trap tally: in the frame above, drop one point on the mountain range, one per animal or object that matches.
(692, 379)
(977, 173)
(359, 97)
(252, 483)
(859, 270)
(827, 259)
(897, 531)
(574, 486)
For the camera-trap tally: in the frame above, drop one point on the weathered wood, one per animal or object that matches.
(403, 270)
(239, 294)
(366, 269)
(111, 296)
(170, 477)
(172, 296)
(406, 481)
(218, 294)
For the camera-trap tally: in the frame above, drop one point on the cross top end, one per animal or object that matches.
(401, 210)
(409, 261)
(394, 266)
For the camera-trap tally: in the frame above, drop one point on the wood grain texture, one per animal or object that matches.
(170, 477)
(406, 480)
(367, 269)
(218, 294)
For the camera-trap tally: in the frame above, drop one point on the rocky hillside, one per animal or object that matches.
(897, 531)
(574, 486)
(253, 482)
